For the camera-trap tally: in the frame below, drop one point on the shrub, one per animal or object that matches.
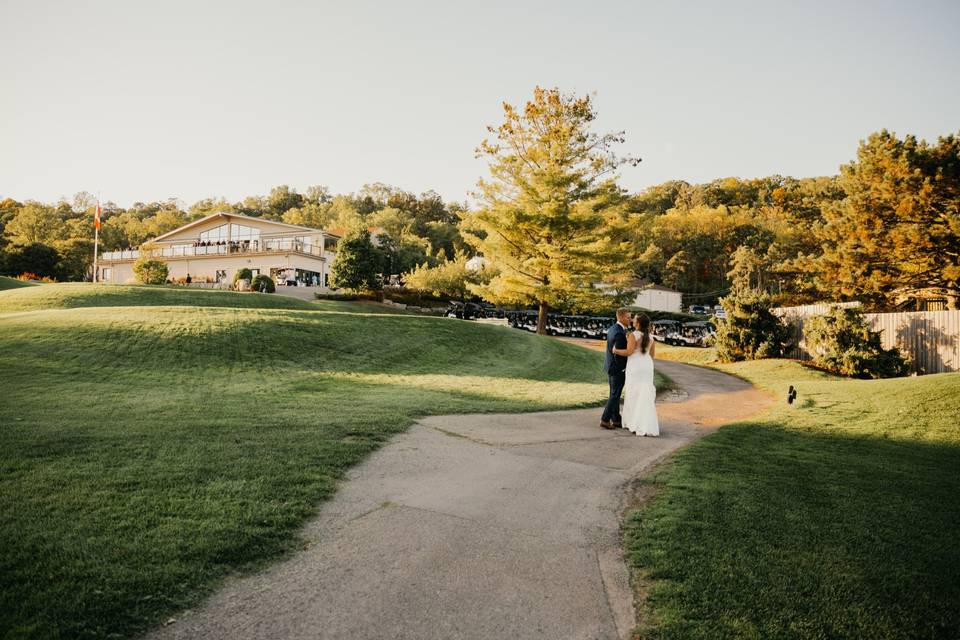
(840, 341)
(263, 284)
(750, 331)
(415, 298)
(242, 274)
(349, 297)
(150, 271)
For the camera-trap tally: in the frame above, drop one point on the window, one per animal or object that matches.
(236, 233)
(214, 235)
(106, 274)
(240, 232)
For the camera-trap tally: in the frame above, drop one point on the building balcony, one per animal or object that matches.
(246, 247)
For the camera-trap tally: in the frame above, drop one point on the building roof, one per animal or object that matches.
(641, 284)
(230, 216)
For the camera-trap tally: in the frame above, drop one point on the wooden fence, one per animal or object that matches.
(931, 339)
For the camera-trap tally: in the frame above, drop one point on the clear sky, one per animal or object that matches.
(149, 100)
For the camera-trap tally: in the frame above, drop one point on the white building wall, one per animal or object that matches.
(657, 300)
(204, 268)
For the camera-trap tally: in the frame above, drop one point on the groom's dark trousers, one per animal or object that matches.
(615, 366)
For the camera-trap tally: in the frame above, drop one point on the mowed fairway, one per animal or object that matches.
(835, 517)
(148, 451)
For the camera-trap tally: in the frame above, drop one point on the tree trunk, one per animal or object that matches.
(542, 319)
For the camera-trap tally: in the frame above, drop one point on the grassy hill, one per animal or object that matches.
(835, 517)
(70, 295)
(12, 283)
(155, 440)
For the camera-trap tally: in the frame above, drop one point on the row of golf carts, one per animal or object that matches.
(688, 334)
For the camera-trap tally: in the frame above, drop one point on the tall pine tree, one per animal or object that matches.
(552, 216)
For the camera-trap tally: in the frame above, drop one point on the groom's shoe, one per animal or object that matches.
(606, 425)
(616, 425)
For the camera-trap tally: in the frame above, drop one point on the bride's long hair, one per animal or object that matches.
(642, 323)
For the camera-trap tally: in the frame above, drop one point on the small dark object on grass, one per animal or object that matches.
(791, 395)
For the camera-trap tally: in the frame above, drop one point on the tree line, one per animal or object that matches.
(552, 222)
(555, 223)
(55, 240)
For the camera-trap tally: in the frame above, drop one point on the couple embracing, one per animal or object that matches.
(629, 364)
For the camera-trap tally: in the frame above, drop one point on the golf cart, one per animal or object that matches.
(696, 334)
(665, 331)
(465, 310)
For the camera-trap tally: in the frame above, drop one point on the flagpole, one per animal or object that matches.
(96, 237)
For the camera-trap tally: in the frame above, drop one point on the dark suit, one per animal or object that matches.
(615, 366)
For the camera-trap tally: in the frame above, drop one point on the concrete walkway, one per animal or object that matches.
(479, 526)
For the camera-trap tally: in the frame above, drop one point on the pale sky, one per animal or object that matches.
(149, 100)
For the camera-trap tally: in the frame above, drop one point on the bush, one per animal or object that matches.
(242, 274)
(28, 277)
(414, 298)
(349, 297)
(263, 284)
(150, 271)
(750, 331)
(840, 341)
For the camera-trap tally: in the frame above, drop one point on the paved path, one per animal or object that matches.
(478, 526)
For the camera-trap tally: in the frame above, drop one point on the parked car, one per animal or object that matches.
(698, 309)
(720, 313)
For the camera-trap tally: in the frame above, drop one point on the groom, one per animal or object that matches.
(615, 366)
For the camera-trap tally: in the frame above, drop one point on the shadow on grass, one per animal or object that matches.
(147, 454)
(771, 532)
(257, 338)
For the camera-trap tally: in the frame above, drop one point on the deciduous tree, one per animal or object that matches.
(451, 278)
(898, 229)
(358, 263)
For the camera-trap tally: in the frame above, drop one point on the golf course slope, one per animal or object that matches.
(836, 516)
(13, 283)
(155, 440)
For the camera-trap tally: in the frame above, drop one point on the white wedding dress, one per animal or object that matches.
(640, 394)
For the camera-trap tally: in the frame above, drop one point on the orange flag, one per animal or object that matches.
(96, 217)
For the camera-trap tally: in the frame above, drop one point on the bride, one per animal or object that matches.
(639, 411)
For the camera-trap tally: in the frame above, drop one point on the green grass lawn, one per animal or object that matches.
(689, 355)
(835, 517)
(70, 295)
(12, 283)
(146, 452)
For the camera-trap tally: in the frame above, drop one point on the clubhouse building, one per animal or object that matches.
(212, 249)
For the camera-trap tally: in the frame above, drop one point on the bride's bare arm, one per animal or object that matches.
(653, 348)
(631, 346)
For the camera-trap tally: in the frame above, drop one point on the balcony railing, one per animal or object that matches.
(279, 245)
